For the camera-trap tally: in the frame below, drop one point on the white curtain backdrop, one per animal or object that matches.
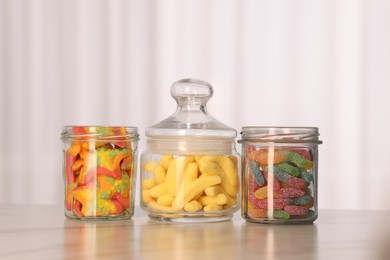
(302, 63)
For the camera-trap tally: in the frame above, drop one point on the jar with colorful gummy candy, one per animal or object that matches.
(189, 171)
(279, 174)
(99, 171)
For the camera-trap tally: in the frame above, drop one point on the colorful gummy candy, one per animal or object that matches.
(99, 172)
(278, 183)
(191, 183)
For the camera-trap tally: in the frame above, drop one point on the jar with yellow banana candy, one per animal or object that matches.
(189, 171)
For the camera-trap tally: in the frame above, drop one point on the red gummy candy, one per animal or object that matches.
(277, 203)
(118, 206)
(305, 153)
(291, 193)
(250, 149)
(297, 182)
(277, 185)
(252, 184)
(296, 210)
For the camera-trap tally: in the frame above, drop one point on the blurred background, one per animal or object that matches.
(284, 63)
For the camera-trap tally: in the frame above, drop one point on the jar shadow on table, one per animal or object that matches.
(281, 241)
(166, 240)
(92, 239)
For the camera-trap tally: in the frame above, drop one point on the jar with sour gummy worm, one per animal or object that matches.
(189, 170)
(280, 174)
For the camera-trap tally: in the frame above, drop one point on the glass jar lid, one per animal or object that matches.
(191, 118)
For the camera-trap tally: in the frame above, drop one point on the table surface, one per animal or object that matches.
(42, 232)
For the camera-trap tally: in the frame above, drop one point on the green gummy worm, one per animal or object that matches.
(296, 159)
(280, 175)
(304, 200)
(288, 168)
(256, 172)
(281, 214)
(307, 176)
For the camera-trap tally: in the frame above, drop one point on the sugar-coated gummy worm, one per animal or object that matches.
(276, 203)
(298, 160)
(304, 200)
(275, 182)
(265, 191)
(304, 152)
(265, 157)
(264, 213)
(287, 178)
(291, 193)
(252, 184)
(281, 214)
(256, 173)
(293, 210)
(288, 168)
(257, 213)
(307, 176)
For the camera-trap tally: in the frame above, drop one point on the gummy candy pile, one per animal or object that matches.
(98, 172)
(191, 183)
(287, 193)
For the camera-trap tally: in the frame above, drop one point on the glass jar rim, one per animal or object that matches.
(99, 132)
(280, 134)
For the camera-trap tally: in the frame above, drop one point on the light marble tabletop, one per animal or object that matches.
(42, 232)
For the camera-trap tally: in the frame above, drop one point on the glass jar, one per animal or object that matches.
(280, 169)
(189, 171)
(99, 171)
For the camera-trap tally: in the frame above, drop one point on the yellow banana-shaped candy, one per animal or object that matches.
(228, 165)
(190, 190)
(212, 208)
(211, 168)
(157, 170)
(154, 205)
(148, 183)
(165, 200)
(166, 160)
(220, 199)
(175, 173)
(193, 206)
(146, 196)
(191, 173)
(158, 190)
